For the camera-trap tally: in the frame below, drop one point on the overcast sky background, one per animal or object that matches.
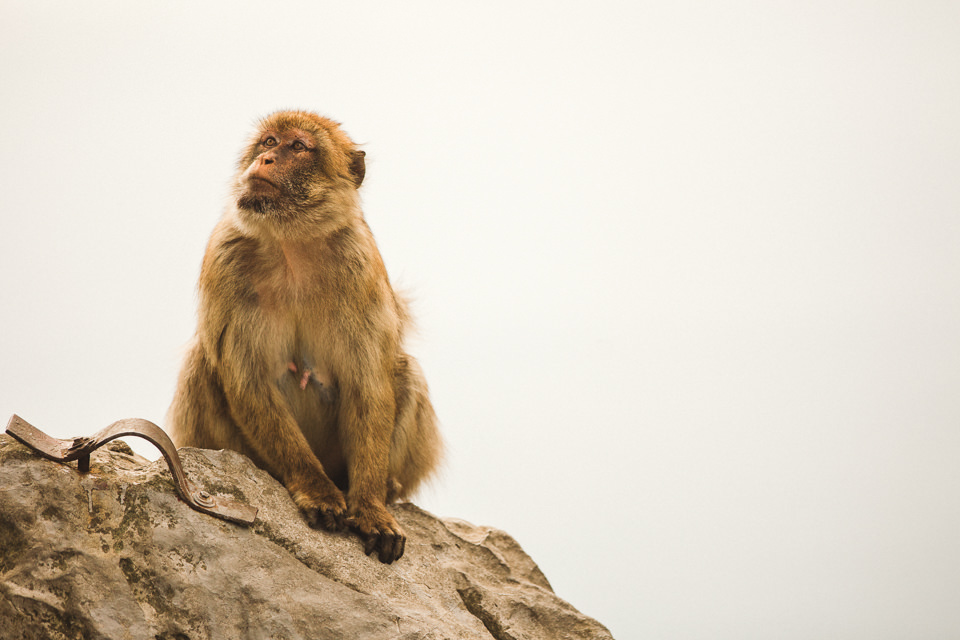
(687, 274)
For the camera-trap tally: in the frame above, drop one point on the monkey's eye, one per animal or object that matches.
(298, 146)
(269, 141)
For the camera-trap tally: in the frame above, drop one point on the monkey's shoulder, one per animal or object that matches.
(229, 246)
(350, 240)
(354, 250)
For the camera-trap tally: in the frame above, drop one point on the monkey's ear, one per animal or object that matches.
(358, 167)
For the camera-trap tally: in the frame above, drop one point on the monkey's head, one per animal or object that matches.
(298, 171)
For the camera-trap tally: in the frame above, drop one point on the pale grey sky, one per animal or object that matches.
(686, 273)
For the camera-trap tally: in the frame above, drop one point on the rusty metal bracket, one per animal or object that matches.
(79, 449)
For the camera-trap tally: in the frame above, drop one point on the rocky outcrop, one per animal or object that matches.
(115, 554)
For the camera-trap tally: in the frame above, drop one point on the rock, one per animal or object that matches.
(115, 554)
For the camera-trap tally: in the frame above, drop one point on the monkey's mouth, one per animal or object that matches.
(257, 181)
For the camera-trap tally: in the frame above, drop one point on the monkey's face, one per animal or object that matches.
(278, 180)
(299, 169)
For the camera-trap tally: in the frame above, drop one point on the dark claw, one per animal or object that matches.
(386, 550)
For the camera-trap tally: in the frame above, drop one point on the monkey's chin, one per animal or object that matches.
(258, 204)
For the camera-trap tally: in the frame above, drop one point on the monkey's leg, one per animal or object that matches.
(198, 416)
(417, 448)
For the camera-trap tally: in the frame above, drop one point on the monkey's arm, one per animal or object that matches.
(367, 413)
(369, 331)
(269, 429)
(368, 328)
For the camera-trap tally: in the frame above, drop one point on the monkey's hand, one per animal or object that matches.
(379, 531)
(326, 510)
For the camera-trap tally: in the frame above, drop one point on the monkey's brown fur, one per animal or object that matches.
(298, 360)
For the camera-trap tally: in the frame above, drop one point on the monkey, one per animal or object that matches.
(298, 359)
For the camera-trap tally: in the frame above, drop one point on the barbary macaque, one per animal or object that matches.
(298, 359)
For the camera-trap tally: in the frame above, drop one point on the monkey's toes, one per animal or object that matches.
(330, 518)
(388, 545)
(380, 533)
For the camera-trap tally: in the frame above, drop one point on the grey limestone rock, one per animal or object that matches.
(115, 554)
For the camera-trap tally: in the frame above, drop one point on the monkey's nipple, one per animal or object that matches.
(304, 377)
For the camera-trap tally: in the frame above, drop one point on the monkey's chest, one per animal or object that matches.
(300, 347)
(302, 329)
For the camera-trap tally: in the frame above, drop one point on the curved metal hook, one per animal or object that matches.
(79, 449)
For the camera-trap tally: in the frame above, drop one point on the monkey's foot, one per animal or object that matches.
(327, 518)
(379, 531)
(326, 512)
